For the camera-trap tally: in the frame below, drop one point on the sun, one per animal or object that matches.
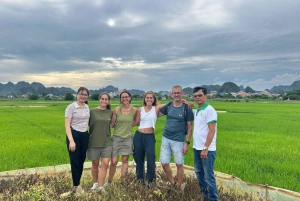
(110, 22)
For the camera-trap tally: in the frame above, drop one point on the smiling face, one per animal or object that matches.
(125, 98)
(177, 94)
(82, 95)
(149, 99)
(104, 100)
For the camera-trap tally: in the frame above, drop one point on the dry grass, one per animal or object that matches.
(50, 187)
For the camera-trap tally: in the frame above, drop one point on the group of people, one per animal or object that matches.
(96, 142)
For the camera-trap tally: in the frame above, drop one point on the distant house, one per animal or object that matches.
(211, 94)
(242, 94)
(266, 93)
(112, 94)
(118, 92)
(233, 94)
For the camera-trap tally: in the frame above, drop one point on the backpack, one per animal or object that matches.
(185, 108)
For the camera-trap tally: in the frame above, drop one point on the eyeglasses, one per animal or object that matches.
(198, 95)
(176, 93)
(85, 95)
(124, 97)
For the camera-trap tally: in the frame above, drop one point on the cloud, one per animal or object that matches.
(285, 79)
(152, 46)
(199, 13)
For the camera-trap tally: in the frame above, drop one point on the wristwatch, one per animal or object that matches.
(188, 142)
(205, 148)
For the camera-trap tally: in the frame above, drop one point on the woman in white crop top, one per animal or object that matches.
(144, 138)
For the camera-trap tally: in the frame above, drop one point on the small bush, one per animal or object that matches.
(33, 97)
(69, 96)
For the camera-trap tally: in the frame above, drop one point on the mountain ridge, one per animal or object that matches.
(23, 87)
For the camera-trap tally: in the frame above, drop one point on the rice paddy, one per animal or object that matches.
(257, 141)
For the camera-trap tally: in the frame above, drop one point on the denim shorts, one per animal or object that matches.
(169, 147)
(94, 153)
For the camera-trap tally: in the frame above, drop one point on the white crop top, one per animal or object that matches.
(148, 119)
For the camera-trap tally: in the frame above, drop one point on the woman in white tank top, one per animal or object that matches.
(144, 138)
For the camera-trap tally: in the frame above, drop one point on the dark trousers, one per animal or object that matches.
(144, 145)
(77, 157)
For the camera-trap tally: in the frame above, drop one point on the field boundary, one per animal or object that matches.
(229, 183)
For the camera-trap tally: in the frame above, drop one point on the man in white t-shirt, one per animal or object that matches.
(205, 134)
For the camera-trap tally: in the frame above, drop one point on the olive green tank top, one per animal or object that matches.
(123, 126)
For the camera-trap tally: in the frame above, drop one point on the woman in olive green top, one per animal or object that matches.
(122, 120)
(100, 144)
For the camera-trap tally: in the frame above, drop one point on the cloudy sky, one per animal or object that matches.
(150, 45)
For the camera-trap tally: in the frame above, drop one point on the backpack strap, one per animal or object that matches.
(168, 106)
(185, 108)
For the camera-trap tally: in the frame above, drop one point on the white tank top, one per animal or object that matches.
(148, 119)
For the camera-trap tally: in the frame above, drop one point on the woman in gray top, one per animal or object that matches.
(77, 117)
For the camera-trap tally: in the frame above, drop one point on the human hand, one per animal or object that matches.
(184, 101)
(191, 105)
(185, 148)
(72, 146)
(203, 154)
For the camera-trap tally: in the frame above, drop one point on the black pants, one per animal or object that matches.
(144, 145)
(77, 157)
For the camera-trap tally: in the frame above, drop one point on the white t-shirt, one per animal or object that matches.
(206, 115)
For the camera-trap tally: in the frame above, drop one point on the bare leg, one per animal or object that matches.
(179, 174)
(124, 168)
(94, 170)
(168, 171)
(112, 168)
(103, 171)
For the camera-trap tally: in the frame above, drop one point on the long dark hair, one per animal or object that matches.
(155, 99)
(84, 89)
(108, 106)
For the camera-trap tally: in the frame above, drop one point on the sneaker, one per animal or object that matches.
(77, 190)
(95, 185)
(172, 186)
(101, 189)
(183, 186)
(107, 183)
(66, 194)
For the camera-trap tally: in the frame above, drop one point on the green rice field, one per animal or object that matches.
(258, 142)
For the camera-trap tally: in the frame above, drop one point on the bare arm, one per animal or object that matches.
(72, 145)
(137, 118)
(114, 117)
(190, 130)
(188, 137)
(158, 108)
(209, 138)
